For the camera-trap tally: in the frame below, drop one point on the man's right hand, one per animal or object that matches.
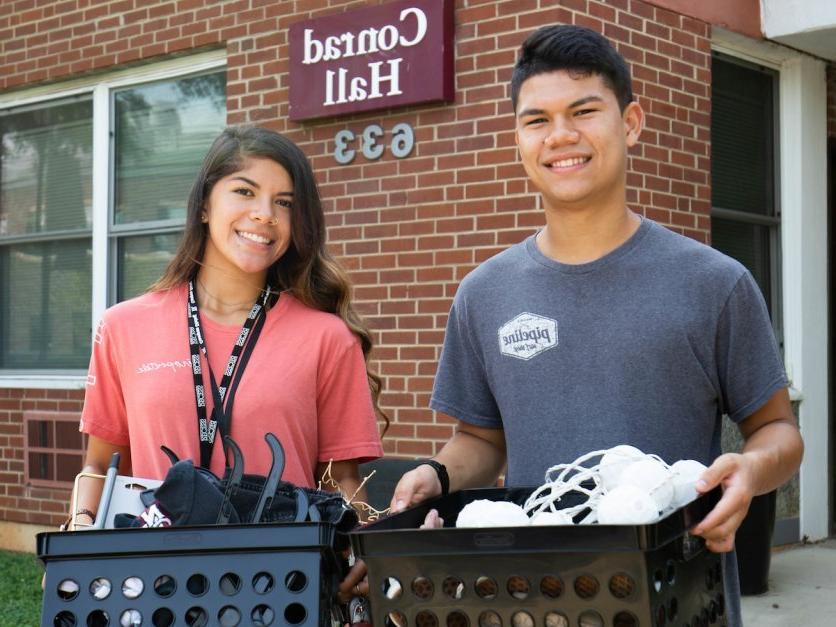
(474, 457)
(419, 484)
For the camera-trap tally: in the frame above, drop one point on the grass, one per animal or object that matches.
(20, 589)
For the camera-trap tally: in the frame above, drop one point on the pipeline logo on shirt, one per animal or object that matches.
(527, 335)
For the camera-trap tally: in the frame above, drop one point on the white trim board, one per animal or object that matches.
(117, 78)
(43, 381)
(803, 175)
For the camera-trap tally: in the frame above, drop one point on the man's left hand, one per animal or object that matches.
(735, 473)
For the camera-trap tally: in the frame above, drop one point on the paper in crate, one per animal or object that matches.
(552, 576)
(126, 497)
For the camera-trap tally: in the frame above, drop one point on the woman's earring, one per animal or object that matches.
(204, 218)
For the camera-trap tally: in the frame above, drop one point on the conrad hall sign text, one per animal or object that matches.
(389, 55)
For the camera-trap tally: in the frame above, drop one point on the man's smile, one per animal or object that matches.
(567, 164)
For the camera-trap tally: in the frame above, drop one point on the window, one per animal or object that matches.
(158, 128)
(746, 222)
(54, 448)
(45, 235)
(161, 133)
(801, 176)
(745, 217)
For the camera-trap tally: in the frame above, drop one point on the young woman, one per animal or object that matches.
(252, 310)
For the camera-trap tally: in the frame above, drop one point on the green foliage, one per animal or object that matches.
(20, 589)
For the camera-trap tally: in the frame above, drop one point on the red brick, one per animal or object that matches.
(428, 148)
(629, 21)
(581, 19)
(476, 14)
(684, 70)
(657, 61)
(142, 40)
(412, 447)
(643, 41)
(616, 33)
(602, 11)
(434, 432)
(32, 15)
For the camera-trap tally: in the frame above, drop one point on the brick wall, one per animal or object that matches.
(408, 229)
(20, 502)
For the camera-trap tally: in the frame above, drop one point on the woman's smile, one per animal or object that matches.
(248, 217)
(255, 237)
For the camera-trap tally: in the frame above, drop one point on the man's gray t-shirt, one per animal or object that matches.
(649, 345)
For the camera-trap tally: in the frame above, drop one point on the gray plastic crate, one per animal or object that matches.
(265, 574)
(654, 575)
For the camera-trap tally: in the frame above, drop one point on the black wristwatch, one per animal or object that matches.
(441, 471)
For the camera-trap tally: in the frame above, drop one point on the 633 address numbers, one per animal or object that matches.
(372, 143)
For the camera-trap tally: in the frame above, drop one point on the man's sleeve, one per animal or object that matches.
(750, 367)
(461, 387)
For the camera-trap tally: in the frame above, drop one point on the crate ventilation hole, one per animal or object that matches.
(621, 586)
(165, 586)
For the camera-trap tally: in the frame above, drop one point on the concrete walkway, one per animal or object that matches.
(802, 589)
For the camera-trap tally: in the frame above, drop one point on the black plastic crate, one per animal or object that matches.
(264, 574)
(653, 575)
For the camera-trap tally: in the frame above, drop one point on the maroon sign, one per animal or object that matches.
(382, 56)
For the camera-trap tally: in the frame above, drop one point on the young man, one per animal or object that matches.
(605, 328)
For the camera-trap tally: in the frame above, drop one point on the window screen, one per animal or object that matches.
(45, 243)
(745, 219)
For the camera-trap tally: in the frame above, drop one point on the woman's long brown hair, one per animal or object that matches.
(307, 269)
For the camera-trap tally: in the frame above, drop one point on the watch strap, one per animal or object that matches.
(441, 471)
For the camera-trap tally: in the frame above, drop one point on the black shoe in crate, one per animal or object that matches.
(265, 574)
(653, 575)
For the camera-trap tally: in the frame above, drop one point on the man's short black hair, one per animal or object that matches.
(577, 50)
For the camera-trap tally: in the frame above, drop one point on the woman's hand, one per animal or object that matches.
(355, 584)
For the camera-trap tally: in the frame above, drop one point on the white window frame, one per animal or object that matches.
(100, 87)
(802, 161)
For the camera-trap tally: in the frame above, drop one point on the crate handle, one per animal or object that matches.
(493, 539)
(690, 546)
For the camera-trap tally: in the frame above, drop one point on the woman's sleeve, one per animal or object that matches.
(347, 425)
(104, 414)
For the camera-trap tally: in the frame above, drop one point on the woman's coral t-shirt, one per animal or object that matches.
(305, 382)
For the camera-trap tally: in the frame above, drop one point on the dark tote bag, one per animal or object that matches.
(191, 495)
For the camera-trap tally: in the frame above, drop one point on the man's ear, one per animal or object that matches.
(633, 117)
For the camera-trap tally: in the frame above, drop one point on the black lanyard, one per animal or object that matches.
(222, 412)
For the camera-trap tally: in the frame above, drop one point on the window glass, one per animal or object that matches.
(742, 148)
(162, 132)
(45, 278)
(45, 304)
(141, 261)
(46, 162)
(744, 222)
